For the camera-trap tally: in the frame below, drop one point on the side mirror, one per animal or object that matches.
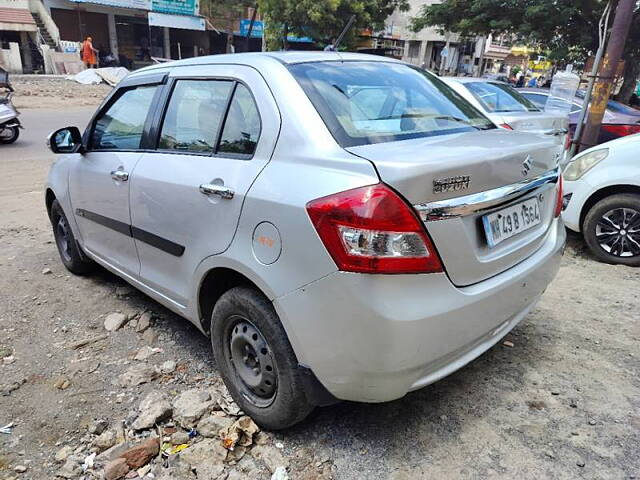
(65, 140)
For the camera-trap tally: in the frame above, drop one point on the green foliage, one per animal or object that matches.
(567, 28)
(323, 20)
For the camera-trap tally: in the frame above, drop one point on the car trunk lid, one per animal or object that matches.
(446, 168)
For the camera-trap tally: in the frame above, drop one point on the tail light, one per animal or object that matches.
(621, 130)
(372, 230)
(559, 199)
(506, 126)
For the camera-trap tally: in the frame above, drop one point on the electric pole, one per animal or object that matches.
(604, 84)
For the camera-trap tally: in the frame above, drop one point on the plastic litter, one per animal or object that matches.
(7, 429)
(280, 473)
(94, 76)
(193, 433)
(168, 449)
(88, 462)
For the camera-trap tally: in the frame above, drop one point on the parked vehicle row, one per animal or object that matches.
(619, 119)
(342, 226)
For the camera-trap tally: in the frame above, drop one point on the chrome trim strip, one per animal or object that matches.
(477, 202)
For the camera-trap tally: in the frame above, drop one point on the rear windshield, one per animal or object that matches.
(371, 102)
(498, 97)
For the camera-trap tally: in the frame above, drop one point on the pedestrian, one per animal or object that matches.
(533, 83)
(520, 81)
(88, 54)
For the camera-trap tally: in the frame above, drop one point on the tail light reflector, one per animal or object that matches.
(621, 130)
(506, 126)
(372, 230)
(559, 199)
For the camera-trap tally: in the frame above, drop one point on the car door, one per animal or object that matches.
(215, 134)
(99, 181)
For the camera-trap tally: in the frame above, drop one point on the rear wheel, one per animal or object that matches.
(256, 360)
(612, 229)
(68, 248)
(9, 134)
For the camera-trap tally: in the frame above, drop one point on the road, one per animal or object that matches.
(562, 402)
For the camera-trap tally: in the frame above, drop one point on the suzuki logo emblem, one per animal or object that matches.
(526, 166)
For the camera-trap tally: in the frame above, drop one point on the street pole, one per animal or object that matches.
(603, 30)
(604, 84)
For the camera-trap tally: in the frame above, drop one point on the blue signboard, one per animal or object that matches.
(256, 31)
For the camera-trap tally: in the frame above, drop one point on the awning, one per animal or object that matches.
(17, 20)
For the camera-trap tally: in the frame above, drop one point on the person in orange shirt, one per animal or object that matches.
(89, 54)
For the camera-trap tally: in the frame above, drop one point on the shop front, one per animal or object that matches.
(134, 31)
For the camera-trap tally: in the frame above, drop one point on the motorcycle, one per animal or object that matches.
(9, 124)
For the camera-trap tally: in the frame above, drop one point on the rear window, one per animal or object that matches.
(498, 97)
(372, 102)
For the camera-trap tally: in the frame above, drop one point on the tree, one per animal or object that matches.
(323, 20)
(566, 28)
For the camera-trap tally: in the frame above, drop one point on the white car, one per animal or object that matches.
(507, 108)
(602, 199)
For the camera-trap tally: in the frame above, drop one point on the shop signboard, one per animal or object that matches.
(256, 31)
(185, 22)
(139, 4)
(172, 7)
(176, 7)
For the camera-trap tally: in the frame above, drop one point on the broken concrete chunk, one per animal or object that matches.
(154, 408)
(115, 321)
(190, 406)
(137, 375)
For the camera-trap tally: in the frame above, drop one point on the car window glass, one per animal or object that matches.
(120, 127)
(194, 114)
(242, 126)
(538, 99)
(496, 97)
(372, 102)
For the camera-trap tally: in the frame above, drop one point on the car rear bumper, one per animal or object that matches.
(373, 338)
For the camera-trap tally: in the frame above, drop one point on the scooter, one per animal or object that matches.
(9, 124)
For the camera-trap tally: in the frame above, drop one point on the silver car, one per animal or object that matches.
(343, 226)
(506, 107)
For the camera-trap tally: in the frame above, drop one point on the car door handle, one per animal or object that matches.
(220, 190)
(557, 131)
(120, 175)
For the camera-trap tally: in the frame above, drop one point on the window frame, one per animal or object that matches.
(158, 81)
(161, 113)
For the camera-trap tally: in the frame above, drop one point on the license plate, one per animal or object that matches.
(508, 222)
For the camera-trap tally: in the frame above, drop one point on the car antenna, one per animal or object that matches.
(344, 32)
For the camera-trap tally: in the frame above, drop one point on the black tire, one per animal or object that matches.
(282, 402)
(611, 229)
(70, 254)
(6, 139)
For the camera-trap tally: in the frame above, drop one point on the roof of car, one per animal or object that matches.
(288, 57)
(471, 79)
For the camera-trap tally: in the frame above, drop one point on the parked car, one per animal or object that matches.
(602, 199)
(619, 119)
(342, 226)
(507, 108)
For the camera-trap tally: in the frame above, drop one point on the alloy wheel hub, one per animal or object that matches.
(618, 232)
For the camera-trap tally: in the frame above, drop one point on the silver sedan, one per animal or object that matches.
(342, 226)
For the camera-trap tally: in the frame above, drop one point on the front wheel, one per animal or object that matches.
(612, 229)
(9, 134)
(256, 360)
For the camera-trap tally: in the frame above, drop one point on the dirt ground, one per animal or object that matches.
(562, 402)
